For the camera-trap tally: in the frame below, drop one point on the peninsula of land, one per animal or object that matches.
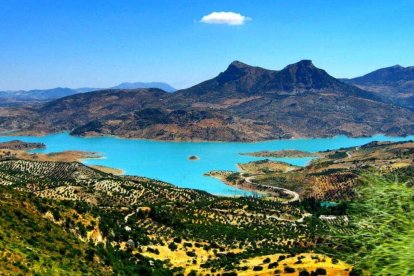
(281, 154)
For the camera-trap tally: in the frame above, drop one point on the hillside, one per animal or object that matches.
(46, 237)
(333, 176)
(133, 225)
(395, 82)
(243, 103)
(181, 230)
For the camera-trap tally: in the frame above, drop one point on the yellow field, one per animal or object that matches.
(277, 264)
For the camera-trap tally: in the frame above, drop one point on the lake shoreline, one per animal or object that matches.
(168, 161)
(17, 133)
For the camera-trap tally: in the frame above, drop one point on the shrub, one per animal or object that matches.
(257, 268)
(273, 265)
(172, 246)
(320, 271)
(289, 270)
(191, 254)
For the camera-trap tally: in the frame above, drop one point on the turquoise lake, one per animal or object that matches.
(168, 161)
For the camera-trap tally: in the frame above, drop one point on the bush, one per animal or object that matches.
(273, 265)
(257, 268)
(320, 271)
(229, 274)
(172, 246)
(191, 254)
(289, 270)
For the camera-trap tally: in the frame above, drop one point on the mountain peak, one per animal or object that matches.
(235, 71)
(297, 77)
(239, 64)
(304, 75)
(304, 67)
(306, 62)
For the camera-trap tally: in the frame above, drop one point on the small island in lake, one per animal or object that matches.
(193, 158)
(281, 154)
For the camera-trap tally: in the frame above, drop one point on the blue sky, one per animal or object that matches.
(94, 43)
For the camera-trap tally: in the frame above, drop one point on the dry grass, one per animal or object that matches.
(105, 169)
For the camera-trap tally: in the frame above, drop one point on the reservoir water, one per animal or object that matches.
(168, 161)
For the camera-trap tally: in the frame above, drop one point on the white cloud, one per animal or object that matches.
(229, 18)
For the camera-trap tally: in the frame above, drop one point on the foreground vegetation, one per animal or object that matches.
(382, 227)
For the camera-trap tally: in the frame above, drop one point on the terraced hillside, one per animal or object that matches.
(139, 225)
(151, 219)
(331, 177)
(362, 194)
(39, 236)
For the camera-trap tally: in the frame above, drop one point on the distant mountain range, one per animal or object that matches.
(395, 83)
(30, 96)
(243, 103)
(135, 85)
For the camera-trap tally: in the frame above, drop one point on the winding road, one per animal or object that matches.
(295, 195)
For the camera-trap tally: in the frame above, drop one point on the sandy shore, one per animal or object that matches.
(110, 170)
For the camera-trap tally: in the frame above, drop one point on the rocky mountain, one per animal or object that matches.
(242, 79)
(300, 100)
(395, 82)
(243, 103)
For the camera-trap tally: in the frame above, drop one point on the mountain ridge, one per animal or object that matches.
(395, 83)
(389, 74)
(242, 103)
(136, 85)
(294, 78)
(42, 95)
